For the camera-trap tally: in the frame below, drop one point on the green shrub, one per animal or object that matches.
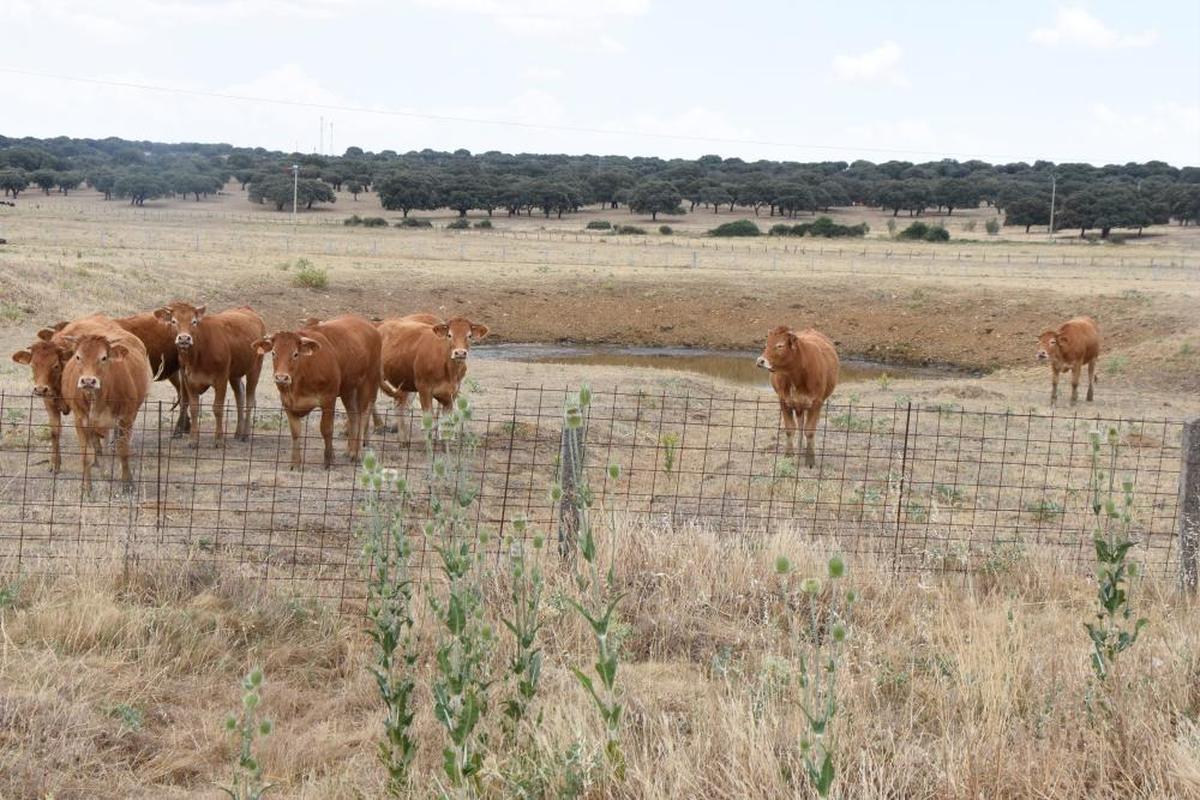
(599, 225)
(414, 222)
(484, 224)
(742, 227)
(780, 229)
(460, 224)
(937, 233)
(677, 211)
(353, 219)
(309, 275)
(992, 226)
(630, 230)
(665, 230)
(915, 231)
(375, 222)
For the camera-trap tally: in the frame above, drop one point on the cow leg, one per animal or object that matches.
(124, 432)
(295, 425)
(787, 419)
(811, 416)
(55, 435)
(353, 424)
(219, 412)
(239, 399)
(85, 439)
(327, 432)
(1076, 370)
(97, 445)
(1091, 379)
(181, 424)
(252, 395)
(1053, 383)
(193, 398)
(400, 406)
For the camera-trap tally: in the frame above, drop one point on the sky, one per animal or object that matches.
(1100, 81)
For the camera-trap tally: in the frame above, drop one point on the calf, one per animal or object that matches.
(45, 358)
(217, 350)
(316, 365)
(422, 354)
(804, 372)
(159, 339)
(1075, 343)
(105, 380)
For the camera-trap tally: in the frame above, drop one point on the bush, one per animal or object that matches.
(937, 234)
(630, 230)
(353, 219)
(742, 227)
(780, 229)
(821, 226)
(414, 222)
(309, 275)
(678, 211)
(915, 231)
(460, 224)
(992, 226)
(599, 225)
(665, 230)
(375, 222)
(484, 224)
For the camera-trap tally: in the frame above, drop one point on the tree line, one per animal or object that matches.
(1087, 197)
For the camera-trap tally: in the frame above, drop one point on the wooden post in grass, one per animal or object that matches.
(570, 470)
(1189, 507)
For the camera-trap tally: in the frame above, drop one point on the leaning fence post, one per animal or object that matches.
(1189, 506)
(570, 459)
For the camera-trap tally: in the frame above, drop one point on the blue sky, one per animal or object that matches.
(1095, 81)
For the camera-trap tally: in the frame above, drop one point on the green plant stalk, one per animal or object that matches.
(525, 666)
(247, 781)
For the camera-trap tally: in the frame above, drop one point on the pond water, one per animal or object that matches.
(734, 366)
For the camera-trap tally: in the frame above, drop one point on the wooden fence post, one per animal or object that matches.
(1189, 506)
(570, 471)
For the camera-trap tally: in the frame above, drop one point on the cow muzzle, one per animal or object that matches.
(283, 380)
(459, 355)
(1042, 356)
(89, 382)
(183, 341)
(41, 391)
(762, 362)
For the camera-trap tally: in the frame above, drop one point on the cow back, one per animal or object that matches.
(159, 340)
(403, 340)
(355, 344)
(1079, 340)
(813, 372)
(229, 337)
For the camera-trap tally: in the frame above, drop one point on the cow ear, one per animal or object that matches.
(792, 339)
(264, 345)
(441, 329)
(163, 314)
(200, 311)
(308, 346)
(308, 322)
(46, 334)
(117, 351)
(479, 331)
(62, 323)
(23, 356)
(66, 346)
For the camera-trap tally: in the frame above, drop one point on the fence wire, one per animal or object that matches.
(922, 486)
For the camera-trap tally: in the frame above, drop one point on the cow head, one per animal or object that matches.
(1047, 345)
(287, 348)
(94, 356)
(460, 332)
(781, 346)
(184, 319)
(45, 359)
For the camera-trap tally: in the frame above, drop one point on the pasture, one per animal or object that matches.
(960, 478)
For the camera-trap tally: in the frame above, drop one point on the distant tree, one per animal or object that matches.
(334, 178)
(68, 181)
(654, 196)
(1028, 211)
(353, 152)
(795, 197)
(606, 186)
(834, 194)
(140, 185)
(952, 193)
(892, 195)
(103, 181)
(405, 191)
(13, 181)
(1185, 203)
(917, 195)
(715, 195)
(188, 182)
(1104, 206)
(353, 187)
(244, 176)
(45, 179)
(551, 196)
(459, 192)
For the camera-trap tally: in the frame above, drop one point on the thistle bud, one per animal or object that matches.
(811, 585)
(614, 471)
(463, 403)
(839, 632)
(585, 395)
(837, 567)
(230, 724)
(265, 727)
(427, 421)
(538, 541)
(369, 462)
(782, 565)
(556, 493)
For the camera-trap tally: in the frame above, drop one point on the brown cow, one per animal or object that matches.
(105, 380)
(804, 372)
(1074, 344)
(425, 355)
(217, 350)
(45, 357)
(316, 365)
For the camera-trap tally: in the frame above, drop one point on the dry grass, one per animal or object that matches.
(115, 684)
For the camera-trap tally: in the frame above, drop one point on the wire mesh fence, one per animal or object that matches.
(922, 486)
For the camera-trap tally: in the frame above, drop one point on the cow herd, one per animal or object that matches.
(99, 369)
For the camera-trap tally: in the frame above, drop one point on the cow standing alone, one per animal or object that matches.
(1075, 343)
(804, 372)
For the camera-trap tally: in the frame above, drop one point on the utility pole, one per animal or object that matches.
(321, 139)
(332, 152)
(1053, 187)
(295, 190)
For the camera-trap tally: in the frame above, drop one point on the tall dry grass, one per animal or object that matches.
(115, 683)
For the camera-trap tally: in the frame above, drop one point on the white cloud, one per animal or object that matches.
(1073, 25)
(543, 74)
(880, 64)
(572, 21)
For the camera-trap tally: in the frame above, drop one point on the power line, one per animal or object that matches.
(499, 122)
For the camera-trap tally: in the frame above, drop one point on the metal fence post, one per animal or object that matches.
(570, 477)
(1189, 506)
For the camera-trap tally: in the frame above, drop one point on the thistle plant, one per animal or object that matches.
(670, 443)
(248, 725)
(1115, 629)
(598, 599)
(524, 623)
(465, 638)
(820, 653)
(386, 555)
